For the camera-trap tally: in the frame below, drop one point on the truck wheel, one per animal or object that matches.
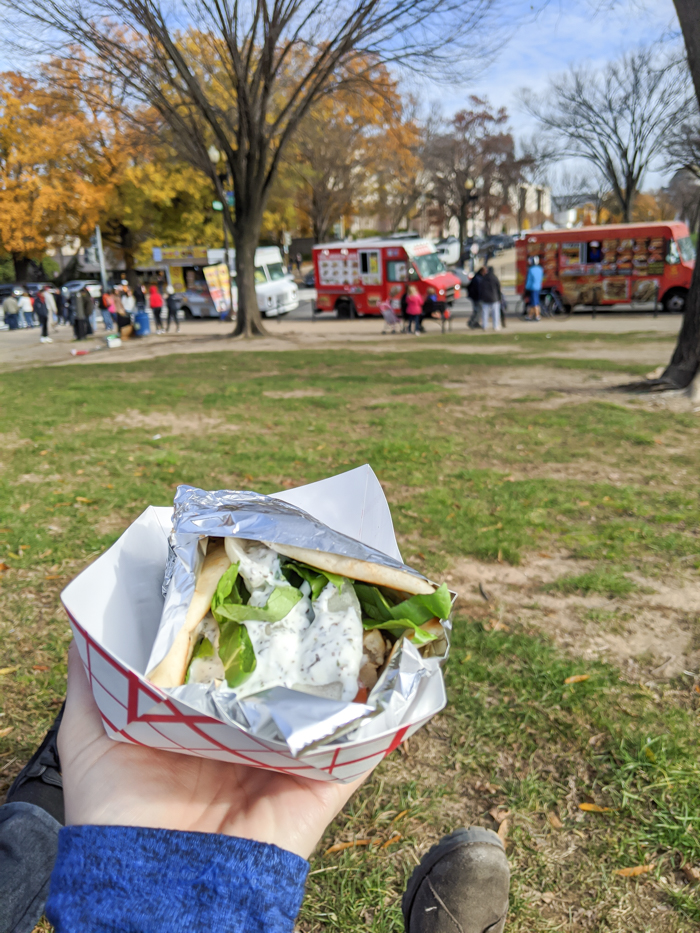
(345, 308)
(674, 300)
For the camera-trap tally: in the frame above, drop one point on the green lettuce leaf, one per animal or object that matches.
(228, 590)
(317, 579)
(398, 626)
(236, 653)
(281, 601)
(417, 609)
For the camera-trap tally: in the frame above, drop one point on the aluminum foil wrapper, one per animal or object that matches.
(301, 720)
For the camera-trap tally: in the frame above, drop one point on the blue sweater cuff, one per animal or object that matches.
(109, 878)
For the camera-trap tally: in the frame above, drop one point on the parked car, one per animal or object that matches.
(448, 250)
(309, 280)
(75, 285)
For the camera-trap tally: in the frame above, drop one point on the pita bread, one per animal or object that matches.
(172, 669)
(354, 569)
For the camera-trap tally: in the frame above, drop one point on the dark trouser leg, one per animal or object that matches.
(44, 321)
(157, 318)
(28, 845)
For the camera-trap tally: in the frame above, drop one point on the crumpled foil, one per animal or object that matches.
(301, 720)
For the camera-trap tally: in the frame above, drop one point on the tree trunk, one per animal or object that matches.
(462, 229)
(249, 320)
(127, 245)
(684, 363)
(21, 264)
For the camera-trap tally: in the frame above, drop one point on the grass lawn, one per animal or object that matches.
(475, 470)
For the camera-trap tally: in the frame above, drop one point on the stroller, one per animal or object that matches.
(390, 318)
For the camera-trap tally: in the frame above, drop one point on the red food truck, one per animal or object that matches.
(610, 265)
(354, 277)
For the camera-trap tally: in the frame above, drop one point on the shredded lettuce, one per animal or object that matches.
(231, 589)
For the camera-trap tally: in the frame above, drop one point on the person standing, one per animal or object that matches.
(105, 308)
(490, 297)
(414, 309)
(90, 311)
(51, 308)
(79, 315)
(156, 301)
(173, 303)
(42, 313)
(10, 308)
(473, 295)
(139, 297)
(26, 308)
(299, 259)
(533, 285)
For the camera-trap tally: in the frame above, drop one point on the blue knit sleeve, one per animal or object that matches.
(124, 878)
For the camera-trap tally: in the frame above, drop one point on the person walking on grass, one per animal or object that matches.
(533, 285)
(156, 301)
(490, 298)
(473, 295)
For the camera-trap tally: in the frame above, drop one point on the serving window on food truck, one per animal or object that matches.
(616, 264)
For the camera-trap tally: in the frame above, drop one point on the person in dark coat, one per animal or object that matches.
(490, 297)
(473, 295)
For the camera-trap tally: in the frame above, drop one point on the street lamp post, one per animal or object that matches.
(215, 157)
(472, 196)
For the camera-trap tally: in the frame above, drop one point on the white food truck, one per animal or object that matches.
(184, 267)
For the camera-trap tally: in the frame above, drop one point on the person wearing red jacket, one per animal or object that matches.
(414, 309)
(156, 301)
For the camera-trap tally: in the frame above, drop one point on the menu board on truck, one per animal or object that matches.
(570, 259)
(615, 288)
(640, 255)
(655, 264)
(609, 262)
(549, 265)
(337, 270)
(625, 255)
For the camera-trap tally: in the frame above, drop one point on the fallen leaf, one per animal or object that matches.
(577, 678)
(390, 842)
(657, 440)
(341, 846)
(484, 594)
(40, 667)
(42, 453)
(24, 507)
(82, 499)
(52, 576)
(554, 821)
(634, 872)
(597, 739)
(503, 830)
(499, 814)
(110, 485)
(492, 527)
(399, 816)
(594, 808)
(78, 472)
(691, 874)
(696, 688)
(467, 657)
(3, 566)
(8, 670)
(6, 731)
(549, 897)
(585, 502)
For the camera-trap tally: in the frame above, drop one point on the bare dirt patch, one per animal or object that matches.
(296, 393)
(174, 423)
(111, 524)
(654, 631)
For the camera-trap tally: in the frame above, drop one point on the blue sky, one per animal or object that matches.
(546, 43)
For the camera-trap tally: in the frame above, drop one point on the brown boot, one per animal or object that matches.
(460, 886)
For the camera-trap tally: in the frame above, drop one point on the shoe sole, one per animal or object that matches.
(475, 835)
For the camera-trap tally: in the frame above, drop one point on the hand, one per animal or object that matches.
(112, 783)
